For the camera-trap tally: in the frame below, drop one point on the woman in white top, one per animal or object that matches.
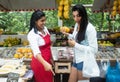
(82, 39)
(39, 39)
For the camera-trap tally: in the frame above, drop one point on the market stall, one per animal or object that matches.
(14, 67)
(62, 54)
(109, 41)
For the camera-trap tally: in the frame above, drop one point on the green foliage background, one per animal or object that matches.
(19, 21)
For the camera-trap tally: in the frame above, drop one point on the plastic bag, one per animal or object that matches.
(113, 73)
(103, 67)
(90, 67)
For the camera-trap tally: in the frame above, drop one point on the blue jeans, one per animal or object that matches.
(79, 66)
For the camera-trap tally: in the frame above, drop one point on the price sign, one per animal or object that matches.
(13, 77)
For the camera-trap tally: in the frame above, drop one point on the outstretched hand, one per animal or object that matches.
(48, 67)
(63, 32)
(71, 42)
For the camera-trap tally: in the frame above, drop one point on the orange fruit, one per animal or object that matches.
(26, 55)
(29, 50)
(30, 55)
(16, 55)
(19, 50)
(24, 50)
(21, 55)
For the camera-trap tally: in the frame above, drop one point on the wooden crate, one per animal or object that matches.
(62, 67)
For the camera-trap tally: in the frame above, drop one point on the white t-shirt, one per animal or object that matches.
(36, 40)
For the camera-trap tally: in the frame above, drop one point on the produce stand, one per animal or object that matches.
(109, 41)
(62, 59)
(8, 51)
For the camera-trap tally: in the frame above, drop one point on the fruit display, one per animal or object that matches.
(23, 52)
(63, 8)
(11, 41)
(105, 43)
(107, 52)
(25, 42)
(114, 35)
(115, 8)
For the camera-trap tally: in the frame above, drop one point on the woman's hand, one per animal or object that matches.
(71, 42)
(48, 67)
(63, 32)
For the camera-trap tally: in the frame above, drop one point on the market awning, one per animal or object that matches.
(102, 5)
(27, 5)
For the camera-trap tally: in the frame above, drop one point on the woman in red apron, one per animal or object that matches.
(39, 39)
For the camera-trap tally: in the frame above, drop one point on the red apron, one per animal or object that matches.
(40, 74)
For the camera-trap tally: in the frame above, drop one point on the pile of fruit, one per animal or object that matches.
(114, 35)
(65, 29)
(23, 52)
(11, 41)
(63, 8)
(25, 42)
(105, 43)
(115, 8)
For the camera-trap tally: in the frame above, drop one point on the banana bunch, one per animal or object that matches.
(115, 8)
(63, 9)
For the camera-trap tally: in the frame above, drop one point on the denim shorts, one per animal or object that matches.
(79, 66)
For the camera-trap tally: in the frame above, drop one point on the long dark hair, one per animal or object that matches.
(35, 17)
(83, 23)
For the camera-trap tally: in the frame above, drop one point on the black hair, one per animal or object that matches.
(38, 14)
(84, 21)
